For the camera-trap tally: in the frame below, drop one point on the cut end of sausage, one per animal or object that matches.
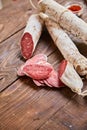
(54, 80)
(62, 67)
(27, 45)
(70, 77)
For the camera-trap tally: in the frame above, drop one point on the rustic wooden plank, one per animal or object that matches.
(80, 100)
(24, 106)
(14, 17)
(73, 116)
(11, 53)
(15, 14)
(52, 125)
(11, 59)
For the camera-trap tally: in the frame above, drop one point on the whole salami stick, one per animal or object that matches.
(66, 45)
(31, 35)
(65, 18)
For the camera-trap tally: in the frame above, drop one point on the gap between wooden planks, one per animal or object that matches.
(14, 17)
(73, 116)
(26, 106)
(13, 12)
(11, 59)
(23, 104)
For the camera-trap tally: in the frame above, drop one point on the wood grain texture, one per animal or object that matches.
(71, 117)
(11, 59)
(14, 17)
(9, 50)
(52, 125)
(23, 105)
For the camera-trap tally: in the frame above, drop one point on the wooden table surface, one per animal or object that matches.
(23, 105)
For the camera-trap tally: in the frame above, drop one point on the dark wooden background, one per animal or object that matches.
(23, 105)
